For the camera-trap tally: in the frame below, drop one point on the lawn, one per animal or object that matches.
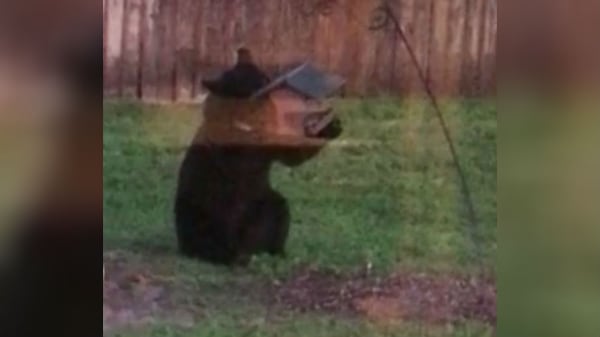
(381, 202)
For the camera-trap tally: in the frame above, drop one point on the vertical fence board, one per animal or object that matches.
(130, 48)
(112, 45)
(151, 50)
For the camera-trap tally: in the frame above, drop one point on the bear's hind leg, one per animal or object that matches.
(277, 223)
(266, 226)
(200, 236)
(187, 228)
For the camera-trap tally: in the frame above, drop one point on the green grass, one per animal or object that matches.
(390, 199)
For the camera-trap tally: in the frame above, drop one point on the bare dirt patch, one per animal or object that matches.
(422, 297)
(133, 296)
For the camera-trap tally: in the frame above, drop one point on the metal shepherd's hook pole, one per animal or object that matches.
(389, 16)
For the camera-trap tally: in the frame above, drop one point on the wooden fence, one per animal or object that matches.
(160, 49)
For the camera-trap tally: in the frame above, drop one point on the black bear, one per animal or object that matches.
(225, 207)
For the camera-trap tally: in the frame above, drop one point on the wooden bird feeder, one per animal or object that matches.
(291, 110)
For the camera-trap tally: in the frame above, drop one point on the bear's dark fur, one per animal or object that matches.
(225, 208)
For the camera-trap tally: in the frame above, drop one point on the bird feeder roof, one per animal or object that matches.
(305, 80)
